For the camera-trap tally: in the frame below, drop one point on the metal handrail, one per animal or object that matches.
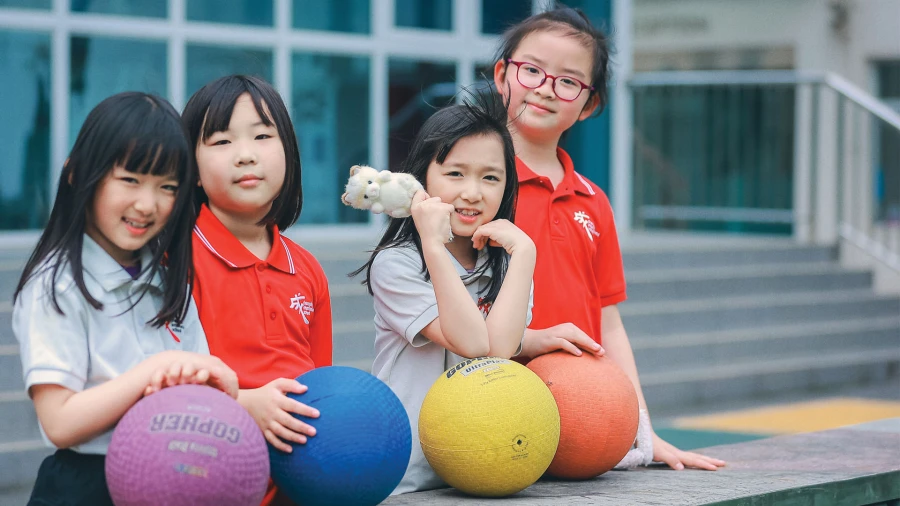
(769, 78)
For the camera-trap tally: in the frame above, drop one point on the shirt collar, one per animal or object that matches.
(227, 248)
(109, 273)
(479, 261)
(571, 182)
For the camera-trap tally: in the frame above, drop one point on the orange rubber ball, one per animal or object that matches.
(598, 412)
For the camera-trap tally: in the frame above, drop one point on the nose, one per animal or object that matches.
(546, 88)
(472, 190)
(145, 201)
(246, 155)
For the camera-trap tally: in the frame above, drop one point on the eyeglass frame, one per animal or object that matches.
(519, 64)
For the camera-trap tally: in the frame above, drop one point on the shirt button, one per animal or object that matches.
(272, 315)
(261, 267)
(556, 221)
(268, 289)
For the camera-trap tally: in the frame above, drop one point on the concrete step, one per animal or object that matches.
(679, 351)
(19, 462)
(712, 256)
(648, 319)
(706, 282)
(755, 378)
(17, 417)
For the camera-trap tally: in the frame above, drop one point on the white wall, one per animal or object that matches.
(842, 36)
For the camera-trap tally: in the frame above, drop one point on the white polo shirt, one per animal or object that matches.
(405, 359)
(87, 347)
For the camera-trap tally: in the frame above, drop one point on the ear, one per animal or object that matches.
(589, 107)
(500, 77)
(355, 170)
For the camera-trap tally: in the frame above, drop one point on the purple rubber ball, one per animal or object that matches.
(187, 444)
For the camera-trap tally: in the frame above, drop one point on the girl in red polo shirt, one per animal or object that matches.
(262, 299)
(552, 70)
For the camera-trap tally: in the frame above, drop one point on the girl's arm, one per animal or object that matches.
(507, 318)
(72, 418)
(460, 327)
(618, 348)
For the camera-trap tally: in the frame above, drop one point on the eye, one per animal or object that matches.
(129, 179)
(221, 142)
(454, 173)
(568, 81)
(172, 188)
(492, 178)
(263, 137)
(532, 70)
(370, 181)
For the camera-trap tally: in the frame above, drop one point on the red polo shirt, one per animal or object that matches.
(265, 319)
(579, 265)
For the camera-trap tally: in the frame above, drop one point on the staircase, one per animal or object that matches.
(713, 320)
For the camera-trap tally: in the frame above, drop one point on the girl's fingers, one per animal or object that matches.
(187, 374)
(156, 380)
(277, 443)
(294, 427)
(201, 377)
(569, 347)
(173, 374)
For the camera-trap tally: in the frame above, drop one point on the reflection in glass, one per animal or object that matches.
(148, 8)
(432, 14)
(25, 140)
(335, 15)
(498, 15)
(243, 12)
(27, 4)
(416, 90)
(103, 66)
(206, 63)
(330, 111)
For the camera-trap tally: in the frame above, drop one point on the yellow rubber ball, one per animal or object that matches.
(489, 427)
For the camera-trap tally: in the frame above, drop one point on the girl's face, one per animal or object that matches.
(472, 179)
(242, 168)
(538, 114)
(128, 210)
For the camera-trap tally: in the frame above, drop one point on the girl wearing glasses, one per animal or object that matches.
(552, 70)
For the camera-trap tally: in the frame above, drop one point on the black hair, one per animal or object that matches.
(571, 23)
(209, 111)
(143, 134)
(481, 113)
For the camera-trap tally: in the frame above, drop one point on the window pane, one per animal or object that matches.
(206, 63)
(105, 66)
(27, 4)
(498, 15)
(335, 15)
(25, 142)
(245, 12)
(433, 14)
(330, 112)
(416, 89)
(149, 8)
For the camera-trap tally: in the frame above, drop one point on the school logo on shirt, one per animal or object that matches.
(484, 307)
(303, 306)
(584, 220)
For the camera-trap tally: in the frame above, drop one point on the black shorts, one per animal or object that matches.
(68, 478)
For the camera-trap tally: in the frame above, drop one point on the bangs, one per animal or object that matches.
(221, 107)
(150, 140)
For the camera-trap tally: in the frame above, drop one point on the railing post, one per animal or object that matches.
(803, 132)
(826, 178)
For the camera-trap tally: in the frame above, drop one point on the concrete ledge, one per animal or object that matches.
(857, 465)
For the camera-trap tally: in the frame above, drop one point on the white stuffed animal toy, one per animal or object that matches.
(380, 191)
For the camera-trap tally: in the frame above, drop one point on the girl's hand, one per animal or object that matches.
(565, 336)
(181, 367)
(679, 459)
(432, 218)
(504, 234)
(271, 409)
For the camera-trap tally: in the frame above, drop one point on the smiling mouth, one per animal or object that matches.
(248, 178)
(136, 224)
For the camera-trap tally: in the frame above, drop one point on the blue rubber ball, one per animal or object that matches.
(362, 444)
